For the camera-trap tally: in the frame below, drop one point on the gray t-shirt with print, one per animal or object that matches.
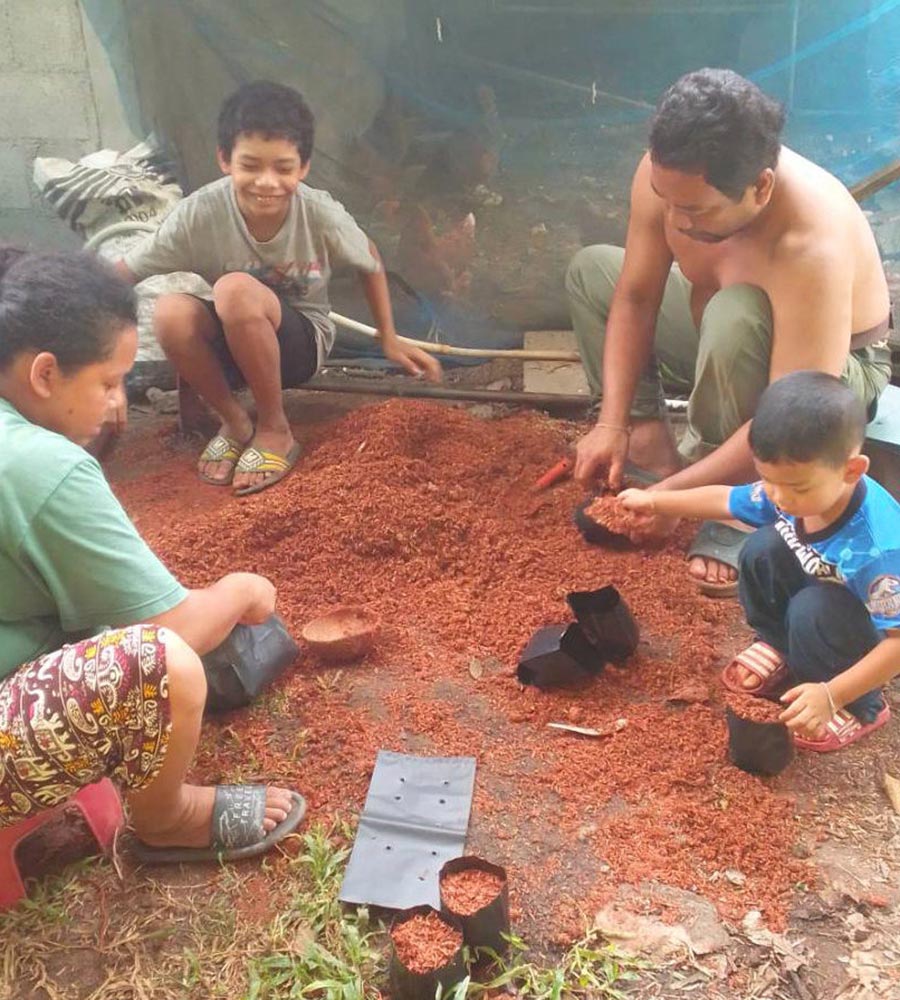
(206, 234)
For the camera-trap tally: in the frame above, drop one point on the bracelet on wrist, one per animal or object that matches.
(831, 703)
(624, 428)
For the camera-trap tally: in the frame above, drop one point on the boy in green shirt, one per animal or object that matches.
(100, 674)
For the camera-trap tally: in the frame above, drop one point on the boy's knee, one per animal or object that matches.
(177, 317)
(184, 671)
(239, 296)
(820, 607)
(735, 320)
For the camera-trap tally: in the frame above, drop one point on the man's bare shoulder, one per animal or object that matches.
(640, 183)
(646, 206)
(819, 217)
(816, 202)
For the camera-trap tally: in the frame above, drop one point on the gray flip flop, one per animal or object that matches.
(235, 830)
(722, 543)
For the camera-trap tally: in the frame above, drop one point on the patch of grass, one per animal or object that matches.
(270, 932)
(589, 970)
(336, 955)
(346, 956)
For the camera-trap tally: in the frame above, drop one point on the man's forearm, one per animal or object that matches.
(629, 344)
(731, 462)
(873, 671)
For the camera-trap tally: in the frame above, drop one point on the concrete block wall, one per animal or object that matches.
(47, 108)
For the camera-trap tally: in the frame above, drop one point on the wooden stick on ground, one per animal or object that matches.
(462, 352)
(892, 787)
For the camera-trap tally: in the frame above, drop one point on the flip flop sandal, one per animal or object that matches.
(236, 829)
(221, 449)
(722, 543)
(842, 730)
(254, 460)
(763, 662)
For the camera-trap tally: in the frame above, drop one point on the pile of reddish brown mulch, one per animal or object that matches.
(424, 942)
(753, 708)
(466, 892)
(425, 514)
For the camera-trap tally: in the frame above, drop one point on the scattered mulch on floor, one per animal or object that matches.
(466, 892)
(611, 515)
(424, 514)
(753, 709)
(692, 693)
(425, 943)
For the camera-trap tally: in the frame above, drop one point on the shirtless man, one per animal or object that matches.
(775, 270)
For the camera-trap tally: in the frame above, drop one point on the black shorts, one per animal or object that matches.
(296, 339)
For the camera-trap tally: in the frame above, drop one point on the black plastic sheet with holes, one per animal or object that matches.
(415, 819)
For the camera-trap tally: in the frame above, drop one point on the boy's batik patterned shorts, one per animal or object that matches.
(98, 708)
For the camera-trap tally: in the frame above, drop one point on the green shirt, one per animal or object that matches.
(71, 561)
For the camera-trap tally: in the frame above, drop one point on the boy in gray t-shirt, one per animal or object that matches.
(267, 244)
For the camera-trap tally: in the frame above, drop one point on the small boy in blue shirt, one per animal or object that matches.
(820, 578)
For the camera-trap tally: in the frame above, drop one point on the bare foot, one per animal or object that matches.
(707, 570)
(747, 678)
(652, 448)
(280, 441)
(191, 826)
(711, 571)
(239, 430)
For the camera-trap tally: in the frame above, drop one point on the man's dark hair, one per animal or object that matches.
(808, 417)
(715, 123)
(72, 304)
(268, 109)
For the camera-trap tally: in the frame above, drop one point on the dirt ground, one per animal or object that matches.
(708, 938)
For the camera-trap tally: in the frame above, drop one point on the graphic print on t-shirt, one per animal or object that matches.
(292, 280)
(813, 563)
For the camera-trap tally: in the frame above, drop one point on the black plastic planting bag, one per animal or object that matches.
(409, 985)
(415, 818)
(485, 928)
(758, 747)
(558, 655)
(246, 663)
(595, 533)
(606, 621)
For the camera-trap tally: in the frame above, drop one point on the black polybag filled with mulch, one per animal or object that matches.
(764, 748)
(487, 927)
(246, 663)
(409, 985)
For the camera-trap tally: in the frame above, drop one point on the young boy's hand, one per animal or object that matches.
(637, 501)
(649, 527)
(809, 709)
(414, 360)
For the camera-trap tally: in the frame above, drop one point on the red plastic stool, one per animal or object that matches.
(101, 808)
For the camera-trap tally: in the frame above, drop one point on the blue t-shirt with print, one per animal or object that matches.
(861, 549)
